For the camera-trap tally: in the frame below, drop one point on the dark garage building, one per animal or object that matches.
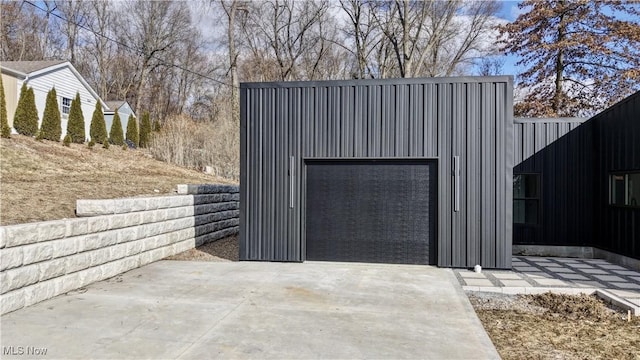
(414, 171)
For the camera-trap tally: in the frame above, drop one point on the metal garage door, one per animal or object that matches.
(371, 211)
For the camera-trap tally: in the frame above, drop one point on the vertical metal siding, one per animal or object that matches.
(541, 147)
(617, 147)
(400, 118)
(575, 159)
(473, 170)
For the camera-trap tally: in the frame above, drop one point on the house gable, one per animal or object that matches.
(124, 110)
(43, 76)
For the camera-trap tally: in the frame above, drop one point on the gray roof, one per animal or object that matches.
(27, 67)
(114, 104)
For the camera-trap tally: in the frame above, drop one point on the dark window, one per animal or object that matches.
(526, 199)
(625, 189)
(66, 105)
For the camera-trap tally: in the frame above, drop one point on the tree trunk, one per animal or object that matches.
(558, 94)
(406, 73)
(233, 64)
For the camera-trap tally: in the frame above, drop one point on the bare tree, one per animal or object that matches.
(433, 38)
(231, 9)
(155, 28)
(26, 34)
(75, 13)
(362, 30)
(490, 66)
(100, 47)
(285, 30)
(17, 34)
(325, 60)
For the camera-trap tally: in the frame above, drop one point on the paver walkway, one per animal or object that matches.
(532, 275)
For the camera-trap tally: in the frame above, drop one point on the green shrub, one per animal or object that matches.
(105, 143)
(20, 116)
(98, 128)
(145, 131)
(132, 131)
(115, 135)
(91, 144)
(124, 147)
(50, 128)
(25, 120)
(4, 120)
(32, 110)
(67, 140)
(75, 125)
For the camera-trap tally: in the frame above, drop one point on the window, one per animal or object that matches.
(526, 199)
(625, 189)
(66, 105)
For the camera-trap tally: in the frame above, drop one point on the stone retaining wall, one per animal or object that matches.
(41, 260)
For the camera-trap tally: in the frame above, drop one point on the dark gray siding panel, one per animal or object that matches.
(618, 150)
(549, 147)
(575, 160)
(399, 118)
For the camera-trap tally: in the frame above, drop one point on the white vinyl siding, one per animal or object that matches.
(67, 85)
(124, 111)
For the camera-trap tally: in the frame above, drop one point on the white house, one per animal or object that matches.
(42, 76)
(124, 110)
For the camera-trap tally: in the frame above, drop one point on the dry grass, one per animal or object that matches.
(551, 326)
(185, 142)
(42, 180)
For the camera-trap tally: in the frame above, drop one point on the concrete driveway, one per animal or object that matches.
(195, 310)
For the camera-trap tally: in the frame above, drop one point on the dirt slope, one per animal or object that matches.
(42, 180)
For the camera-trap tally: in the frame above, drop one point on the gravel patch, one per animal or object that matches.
(503, 302)
(226, 249)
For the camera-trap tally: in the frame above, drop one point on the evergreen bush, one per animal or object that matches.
(25, 120)
(32, 111)
(145, 131)
(98, 128)
(51, 128)
(91, 144)
(4, 120)
(132, 131)
(67, 140)
(20, 116)
(115, 135)
(75, 125)
(105, 143)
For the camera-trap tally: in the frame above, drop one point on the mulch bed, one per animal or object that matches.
(555, 326)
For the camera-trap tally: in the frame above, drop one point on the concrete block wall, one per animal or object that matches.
(41, 260)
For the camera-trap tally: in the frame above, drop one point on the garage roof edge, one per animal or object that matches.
(392, 81)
